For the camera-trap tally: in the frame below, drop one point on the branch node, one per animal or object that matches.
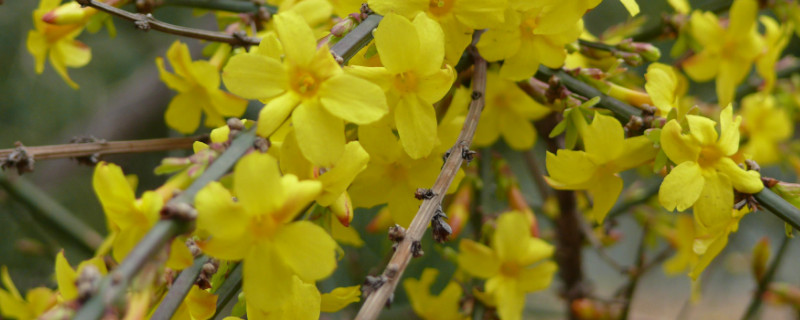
(372, 284)
(396, 235)
(476, 95)
(143, 21)
(88, 160)
(337, 57)
(467, 154)
(180, 211)
(88, 282)
(391, 271)
(18, 159)
(416, 249)
(439, 227)
(424, 194)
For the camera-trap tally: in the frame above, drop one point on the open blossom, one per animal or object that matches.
(515, 264)
(705, 175)
(412, 77)
(57, 42)
(726, 54)
(458, 18)
(259, 228)
(666, 88)
(306, 85)
(766, 124)
(66, 276)
(596, 169)
(197, 83)
(444, 306)
(13, 305)
(534, 33)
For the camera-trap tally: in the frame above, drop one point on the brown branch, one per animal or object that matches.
(146, 22)
(101, 148)
(588, 233)
(378, 298)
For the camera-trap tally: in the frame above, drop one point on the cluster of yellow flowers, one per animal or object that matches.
(370, 132)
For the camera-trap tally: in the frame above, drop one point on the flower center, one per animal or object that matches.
(510, 269)
(397, 172)
(709, 156)
(304, 83)
(529, 24)
(406, 82)
(262, 226)
(440, 7)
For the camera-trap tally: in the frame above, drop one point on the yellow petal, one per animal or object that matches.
(266, 279)
(711, 252)
(605, 193)
(744, 181)
(57, 61)
(477, 259)
(380, 142)
(353, 99)
(731, 73)
(705, 28)
(510, 300)
(533, 249)
(480, 14)
(125, 241)
(299, 195)
(339, 298)
(174, 82)
(253, 76)
(275, 113)
(397, 43)
(537, 278)
(431, 36)
(517, 131)
(662, 84)
(338, 179)
(703, 66)
(74, 53)
(226, 249)
(183, 112)
(37, 46)
(66, 277)
(40, 299)
(314, 12)
(631, 6)
(257, 184)
(714, 207)
(179, 255)
(307, 249)
(702, 129)
(682, 187)
(402, 207)
(227, 104)
(434, 86)
(201, 303)
(522, 64)
(319, 134)
(499, 43)
(677, 146)
(604, 138)
(569, 167)
(729, 129)
(512, 229)
(377, 75)
(406, 8)
(742, 17)
(636, 151)
(297, 38)
(416, 125)
(114, 193)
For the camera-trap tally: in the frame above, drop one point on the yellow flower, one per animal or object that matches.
(515, 264)
(534, 32)
(12, 305)
(682, 239)
(66, 276)
(766, 126)
(132, 218)
(705, 175)
(56, 42)
(412, 77)
(595, 170)
(776, 38)
(308, 85)
(724, 53)
(198, 85)
(508, 112)
(392, 176)
(708, 243)
(342, 8)
(339, 298)
(458, 18)
(445, 306)
(259, 229)
(666, 88)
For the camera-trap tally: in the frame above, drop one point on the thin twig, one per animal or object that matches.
(537, 174)
(635, 274)
(588, 233)
(44, 207)
(114, 285)
(763, 283)
(179, 289)
(649, 192)
(146, 22)
(72, 150)
(222, 5)
(376, 301)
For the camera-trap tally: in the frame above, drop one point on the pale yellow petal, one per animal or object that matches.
(252, 76)
(307, 249)
(398, 46)
(682, 187)
(477, 259)
(319, 133)
(297, 38)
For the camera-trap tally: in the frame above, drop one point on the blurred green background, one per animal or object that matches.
(121, 97)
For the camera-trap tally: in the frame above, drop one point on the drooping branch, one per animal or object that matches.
(147, 21)
(378, 298)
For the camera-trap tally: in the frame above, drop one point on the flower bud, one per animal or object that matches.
(459, 209)
(68, 13)
(760, 258)
(343, 209)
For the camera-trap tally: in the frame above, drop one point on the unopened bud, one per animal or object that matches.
(343, 27)
(68, 13)
(343, 209)
(760, 258)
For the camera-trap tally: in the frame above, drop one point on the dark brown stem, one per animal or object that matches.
(146, 22)
(375, 302)
(569, 236)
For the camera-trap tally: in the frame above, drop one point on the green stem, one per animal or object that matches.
(222, 5)
(45, 209)
(779, 207)
(228, 292)
(357, 38)
(179, 289)
(763, 283)
(623, 111)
